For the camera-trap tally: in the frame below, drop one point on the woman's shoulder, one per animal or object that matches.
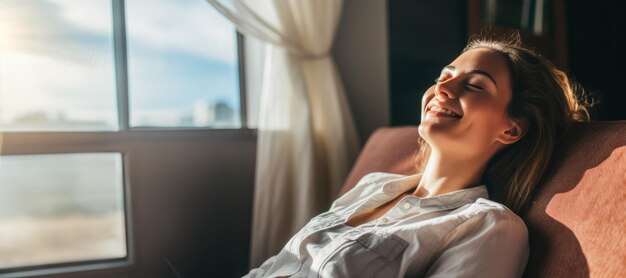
(492, 213)
(485, 222)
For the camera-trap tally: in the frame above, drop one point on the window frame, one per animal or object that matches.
(121, 72)
(76, 266)
(118, 141)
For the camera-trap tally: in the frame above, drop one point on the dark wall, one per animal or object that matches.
(360, 51)
(424, 36)
(597, 53)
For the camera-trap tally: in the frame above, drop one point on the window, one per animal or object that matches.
(182, 72)
(59, 70)
(72, 209)
(56, 66)
(78, 79)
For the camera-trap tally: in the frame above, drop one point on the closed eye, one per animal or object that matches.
(474, 87)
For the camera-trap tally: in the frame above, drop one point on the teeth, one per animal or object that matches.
(443, 110)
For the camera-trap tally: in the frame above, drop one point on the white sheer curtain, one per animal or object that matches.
(306, 135)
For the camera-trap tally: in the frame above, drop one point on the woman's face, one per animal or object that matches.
(465, 111)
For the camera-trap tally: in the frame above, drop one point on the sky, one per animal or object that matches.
(56, 57)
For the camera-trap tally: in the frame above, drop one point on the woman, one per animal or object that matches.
(489, 124)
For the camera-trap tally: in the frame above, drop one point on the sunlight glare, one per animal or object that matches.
(12, 26)
(54, 73)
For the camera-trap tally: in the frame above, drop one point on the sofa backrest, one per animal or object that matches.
(577, 216)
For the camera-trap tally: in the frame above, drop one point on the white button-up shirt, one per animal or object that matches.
(458, 234)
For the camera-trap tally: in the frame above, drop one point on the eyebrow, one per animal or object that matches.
(475, 71)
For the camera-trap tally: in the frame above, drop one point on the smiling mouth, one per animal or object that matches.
(440, 111)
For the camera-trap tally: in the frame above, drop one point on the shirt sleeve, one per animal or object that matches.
(261, 270)
(494, 244)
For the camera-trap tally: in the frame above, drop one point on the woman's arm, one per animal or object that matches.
(492, 245)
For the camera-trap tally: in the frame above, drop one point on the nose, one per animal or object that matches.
(444, 90)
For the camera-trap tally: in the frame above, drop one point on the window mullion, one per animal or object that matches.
(121, 63)
(243, 106)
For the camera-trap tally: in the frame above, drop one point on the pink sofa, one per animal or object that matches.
(577, 217)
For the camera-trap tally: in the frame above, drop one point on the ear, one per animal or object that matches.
(515, 131)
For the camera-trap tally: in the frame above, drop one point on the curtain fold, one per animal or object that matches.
(307, 141)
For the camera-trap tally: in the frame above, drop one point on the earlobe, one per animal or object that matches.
(514, 133)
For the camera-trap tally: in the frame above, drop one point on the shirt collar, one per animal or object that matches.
(446, 201)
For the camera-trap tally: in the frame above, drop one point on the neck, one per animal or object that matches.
(448, 173)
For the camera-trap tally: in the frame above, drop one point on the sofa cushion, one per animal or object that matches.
(577, 217)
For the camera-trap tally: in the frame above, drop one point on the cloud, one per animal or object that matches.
(90, 15)
(191, 26)
(39, 28)
(63, 28)
(30, 83)
(52, 65)
(178, 80)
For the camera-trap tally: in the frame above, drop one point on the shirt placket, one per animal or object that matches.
(408, 205)
(373, 201)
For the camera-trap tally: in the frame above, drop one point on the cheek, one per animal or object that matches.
(483, 105)
(486, 113)
(428, 95)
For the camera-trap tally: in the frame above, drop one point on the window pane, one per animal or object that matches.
(182, 63)
(61, 208)
(57, 65)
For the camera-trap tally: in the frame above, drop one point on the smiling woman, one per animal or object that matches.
(489, 124)
(539, 103)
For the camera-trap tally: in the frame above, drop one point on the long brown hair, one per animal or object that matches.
(546, 101)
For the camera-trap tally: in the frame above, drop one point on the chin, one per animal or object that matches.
(438, 136)
(424, 132)
(428, 128)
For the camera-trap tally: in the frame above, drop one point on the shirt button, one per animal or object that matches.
(406, 206)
